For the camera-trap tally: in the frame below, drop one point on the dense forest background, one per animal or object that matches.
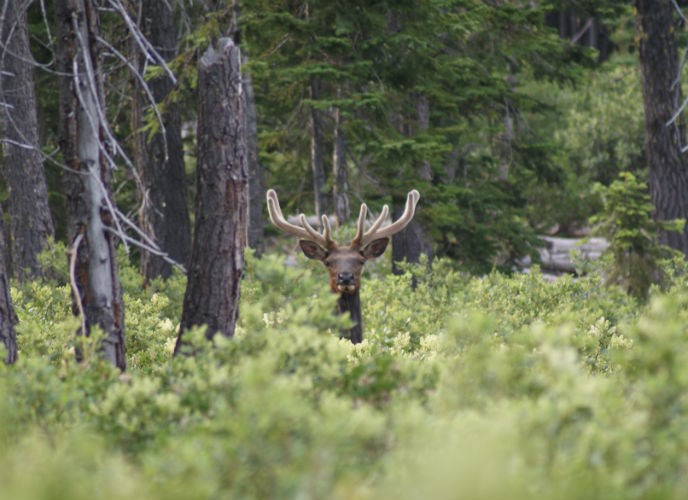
(139, 140)
(502, 115)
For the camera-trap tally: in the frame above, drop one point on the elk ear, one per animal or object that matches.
(312, 250)
(375, 248)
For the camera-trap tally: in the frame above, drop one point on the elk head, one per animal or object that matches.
(344, 262)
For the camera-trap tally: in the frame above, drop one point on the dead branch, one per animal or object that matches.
(72, 253)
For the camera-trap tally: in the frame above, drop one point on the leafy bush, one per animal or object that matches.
(464, 387)
(634, 247)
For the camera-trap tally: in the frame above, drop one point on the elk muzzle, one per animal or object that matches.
(344, 267)
(346, 282)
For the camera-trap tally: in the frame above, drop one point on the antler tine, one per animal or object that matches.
(276, 217)
(360, 224)
(327, 229)
(319, 238)
(381, 218)
(306, 232)
(374, 233)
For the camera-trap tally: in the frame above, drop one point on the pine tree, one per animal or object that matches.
(374, 63)
(659, 68)
(30, 222)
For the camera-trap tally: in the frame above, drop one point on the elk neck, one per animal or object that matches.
(351, 303)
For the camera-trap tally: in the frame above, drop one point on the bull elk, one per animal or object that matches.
(344, 262)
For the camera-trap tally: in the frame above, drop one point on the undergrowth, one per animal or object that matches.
(464, 387)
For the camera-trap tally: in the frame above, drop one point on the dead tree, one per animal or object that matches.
(256, 176)
(340, 173)
(30, 223)
(7, 317)
(217, 256)
(97, 295)
(317, 150)
(411, 244)
(164, 214)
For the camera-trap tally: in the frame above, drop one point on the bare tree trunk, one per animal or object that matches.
(256, 187)
(408, 245)
(7, 317)
(317, 160)
(164, 210)
(582, 30)
(659, 68)
(340, 174)
(87, 183)
(423, 122)
(412, 242)
(29, 214)
(505, 145)
(217, 257)
(256, 173)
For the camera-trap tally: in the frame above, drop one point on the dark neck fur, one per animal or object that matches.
(351, 303)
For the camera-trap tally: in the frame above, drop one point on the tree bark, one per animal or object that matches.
(412, 242)
(256, 187)
(87, 182)
(30, 223)
(164, 212)
(217, 257)
(408, 245)
(659, 69)
(340, 174)
(7, 317)
(317, 154)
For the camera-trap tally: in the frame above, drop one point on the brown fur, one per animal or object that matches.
(340, 260)
(344, 264)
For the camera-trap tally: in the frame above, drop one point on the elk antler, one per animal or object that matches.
(363, 238)
(305, 231)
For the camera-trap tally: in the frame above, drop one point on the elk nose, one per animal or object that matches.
(345, 278)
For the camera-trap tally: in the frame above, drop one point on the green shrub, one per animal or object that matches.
(634, 247)
(464, 387)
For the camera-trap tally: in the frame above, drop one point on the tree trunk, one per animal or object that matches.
(217, 257)
(256, 188)
(340, 174)
(317, 160)
(412, 242)
(7, 317)
(29, 214)
(659, 68)
(408, 245)
(582, 30)
(164, 212)
(87, 183)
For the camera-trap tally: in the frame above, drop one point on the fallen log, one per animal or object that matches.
(557, 254)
